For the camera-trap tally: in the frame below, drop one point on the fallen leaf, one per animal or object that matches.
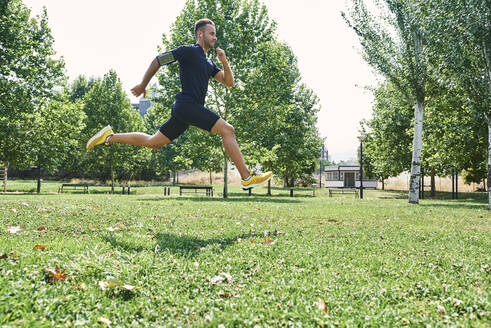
(4, 256)
(13, 210)
(322, 306)
(25, 204)
(41, 228)
(227, 276)
(103, 285)
(58, 229)
(104, 320)
(41, 247)
(440, 309)
(13, 229)
(80, 286)
(224, 294)
(128, 287)
(268, 241)
(56, 275)
(217, 279)
(150, 229)
(222, 227)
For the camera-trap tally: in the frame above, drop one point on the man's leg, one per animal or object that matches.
(141, 139)
(231, 147)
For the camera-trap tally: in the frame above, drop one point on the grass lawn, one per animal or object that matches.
(145, 260)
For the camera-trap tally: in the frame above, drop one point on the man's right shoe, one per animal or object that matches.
(100, 137)
(256, 179)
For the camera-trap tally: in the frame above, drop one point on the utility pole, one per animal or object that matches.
(361, 168)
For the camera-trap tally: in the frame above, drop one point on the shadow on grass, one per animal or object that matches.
(463, 204)
(183, 246)
(233, 197)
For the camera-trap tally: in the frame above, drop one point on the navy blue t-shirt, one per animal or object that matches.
(195, 70)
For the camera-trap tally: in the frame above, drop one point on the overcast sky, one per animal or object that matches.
(95, 36)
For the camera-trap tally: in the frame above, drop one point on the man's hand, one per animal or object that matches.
(138, 90)
(221, 54)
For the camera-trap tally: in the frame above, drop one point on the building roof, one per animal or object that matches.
(342, 168)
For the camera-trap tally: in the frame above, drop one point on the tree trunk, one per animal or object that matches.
(39, 179)
(433, 187)
(487, 55)
(5, 176)
(489, 162)
(211, 180)
(383, 184)
(416, 158)
(225, 175)
(112, 181)
(269, 187)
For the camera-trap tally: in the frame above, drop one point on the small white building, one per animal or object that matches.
(346, 176)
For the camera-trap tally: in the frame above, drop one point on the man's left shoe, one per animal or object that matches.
(256, 179)
(100, 137)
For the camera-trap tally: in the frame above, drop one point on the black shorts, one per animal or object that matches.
(184, 114)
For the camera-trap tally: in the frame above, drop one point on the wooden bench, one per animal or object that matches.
(65, 186)
(344, 191)
(208, 189)
(303, 189)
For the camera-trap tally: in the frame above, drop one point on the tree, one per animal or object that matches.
(52, 131)
(262, 76)
(395, 45)
(107, 104)
(387, 144)
(461, 43)
(29, 74)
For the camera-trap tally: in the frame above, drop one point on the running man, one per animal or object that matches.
(195, 69)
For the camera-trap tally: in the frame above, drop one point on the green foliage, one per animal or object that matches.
(107, 104)
(268, 106)
(29, 75)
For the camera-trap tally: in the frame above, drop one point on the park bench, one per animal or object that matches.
(208, 189)
(303, 189)
(75, 186)
(344, 191)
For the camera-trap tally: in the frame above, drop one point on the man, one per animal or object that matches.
(195, 69)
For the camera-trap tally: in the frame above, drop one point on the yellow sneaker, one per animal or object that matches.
(256, 179)
(100, 137)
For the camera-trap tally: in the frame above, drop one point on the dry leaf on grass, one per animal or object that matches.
(4, 256)
(217, 279)
(42, 228)
(13, 210)
(55, 275)
(321, 305)
(13, 229)
(268, 241)
(81, 286)
(41, 247)
(104, 320)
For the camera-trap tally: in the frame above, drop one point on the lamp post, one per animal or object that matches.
(320, 167)
(361, 167)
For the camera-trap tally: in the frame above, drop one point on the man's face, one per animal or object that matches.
(209, 36)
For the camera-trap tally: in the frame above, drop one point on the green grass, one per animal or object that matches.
(373, 262)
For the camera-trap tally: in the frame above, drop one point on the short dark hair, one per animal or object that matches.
(202, 22)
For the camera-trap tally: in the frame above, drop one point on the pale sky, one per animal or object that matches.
(96, 36)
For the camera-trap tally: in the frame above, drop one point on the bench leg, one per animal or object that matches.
(291, 192)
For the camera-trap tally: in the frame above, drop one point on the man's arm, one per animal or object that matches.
(140, 88)
(226, 77)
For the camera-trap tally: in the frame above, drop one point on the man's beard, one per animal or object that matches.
(207, 44)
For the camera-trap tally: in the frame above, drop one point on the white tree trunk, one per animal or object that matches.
(489, 162)
(416, 159)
